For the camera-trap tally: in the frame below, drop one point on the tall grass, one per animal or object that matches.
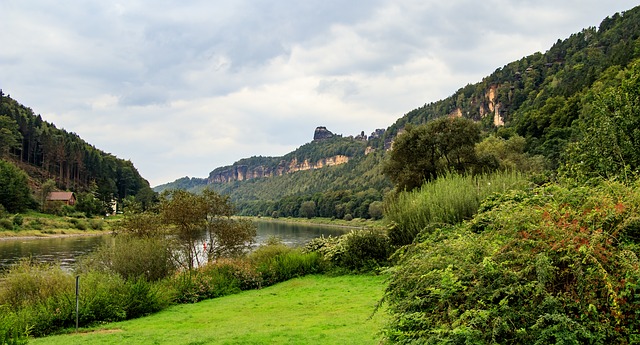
(447, 200)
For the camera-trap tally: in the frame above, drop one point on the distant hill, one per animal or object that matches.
(540, 97)
(45, 152)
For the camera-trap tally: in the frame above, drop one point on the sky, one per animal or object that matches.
(183, 87)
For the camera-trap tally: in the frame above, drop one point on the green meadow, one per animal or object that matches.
(316, 309)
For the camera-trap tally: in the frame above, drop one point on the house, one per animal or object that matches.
(68, 198)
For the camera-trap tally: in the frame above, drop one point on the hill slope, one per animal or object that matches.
(46, 152)
(540, 97)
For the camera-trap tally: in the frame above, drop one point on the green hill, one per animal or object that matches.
(541, 97)
(46, 152)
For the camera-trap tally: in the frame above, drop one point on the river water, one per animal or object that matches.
(66, 250)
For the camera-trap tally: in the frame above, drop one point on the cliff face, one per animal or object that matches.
(246, 172)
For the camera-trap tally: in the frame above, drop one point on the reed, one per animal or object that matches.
(447, 200)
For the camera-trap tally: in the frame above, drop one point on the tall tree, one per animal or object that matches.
(10, 137)
(426, 151)
(15, 195)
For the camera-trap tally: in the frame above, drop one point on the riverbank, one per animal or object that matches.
(34, 235)
(356, 223)
(35, 225)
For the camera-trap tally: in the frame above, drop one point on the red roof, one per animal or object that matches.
(60, 196)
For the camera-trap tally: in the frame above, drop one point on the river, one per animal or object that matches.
(66, 250)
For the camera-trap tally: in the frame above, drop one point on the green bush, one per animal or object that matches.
(96, 224)
(35, 224)
(359, 250)
(18, 220)
(552, 265)
(276, 263)
(204, 282)
(10, 333)
(449, 200)
(6, 224)
(348, 217)
(78, 224)
(132, 257)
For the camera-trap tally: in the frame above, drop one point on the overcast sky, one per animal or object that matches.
(182, 87)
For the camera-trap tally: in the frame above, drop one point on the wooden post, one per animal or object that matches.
(77, 300)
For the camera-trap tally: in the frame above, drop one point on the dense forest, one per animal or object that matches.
(46, 152)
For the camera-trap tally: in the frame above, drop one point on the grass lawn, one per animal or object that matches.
(309, 310)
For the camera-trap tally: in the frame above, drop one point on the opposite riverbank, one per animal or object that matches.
(35, 225)
(356, 223)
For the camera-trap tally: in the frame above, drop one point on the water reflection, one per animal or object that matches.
(66, 250)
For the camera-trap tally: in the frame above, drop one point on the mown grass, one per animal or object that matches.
(314, 309)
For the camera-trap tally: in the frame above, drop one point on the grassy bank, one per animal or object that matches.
(356, 223)
(35, 224)
(310, 310)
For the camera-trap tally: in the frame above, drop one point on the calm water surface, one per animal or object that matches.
(67, 250)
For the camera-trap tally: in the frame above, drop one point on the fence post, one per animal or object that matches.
(77, 300)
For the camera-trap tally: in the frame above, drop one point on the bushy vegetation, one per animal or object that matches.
(551, 265)
(358, 250)
(447, 200)
(40, 299)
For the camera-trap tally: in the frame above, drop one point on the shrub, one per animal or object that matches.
(96, 224)
(10, 334)
(132, 257)
(348, 217)
(6, 224)
(360, 250)
(276, 263)
(209, 281)
(18, 220)
(552, 265)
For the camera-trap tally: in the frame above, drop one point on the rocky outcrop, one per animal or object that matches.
(322, 133)
(245, 172)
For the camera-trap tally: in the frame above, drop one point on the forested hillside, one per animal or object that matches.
(543, 99)
(46, 152)
(540, 96)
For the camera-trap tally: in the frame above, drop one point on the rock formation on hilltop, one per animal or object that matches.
(322, 133)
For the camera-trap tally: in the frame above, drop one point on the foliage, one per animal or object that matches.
(90, 205)
(191, 214)
(15, 195)
(550, 265)
(423, 153)
(610, 131)
(10, 137)
(9, 334)
(268, 265)
(376, 210)
(307, 209)
(133, 257)
(447, 200)
(496, 153)
(228, 237)
(276, 263)
(358, 250)
(41, 299)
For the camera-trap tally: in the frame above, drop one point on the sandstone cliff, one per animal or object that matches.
(241, 172)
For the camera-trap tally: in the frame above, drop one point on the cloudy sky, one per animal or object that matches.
(182, 87)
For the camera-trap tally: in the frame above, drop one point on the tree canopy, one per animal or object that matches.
(424, 152)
